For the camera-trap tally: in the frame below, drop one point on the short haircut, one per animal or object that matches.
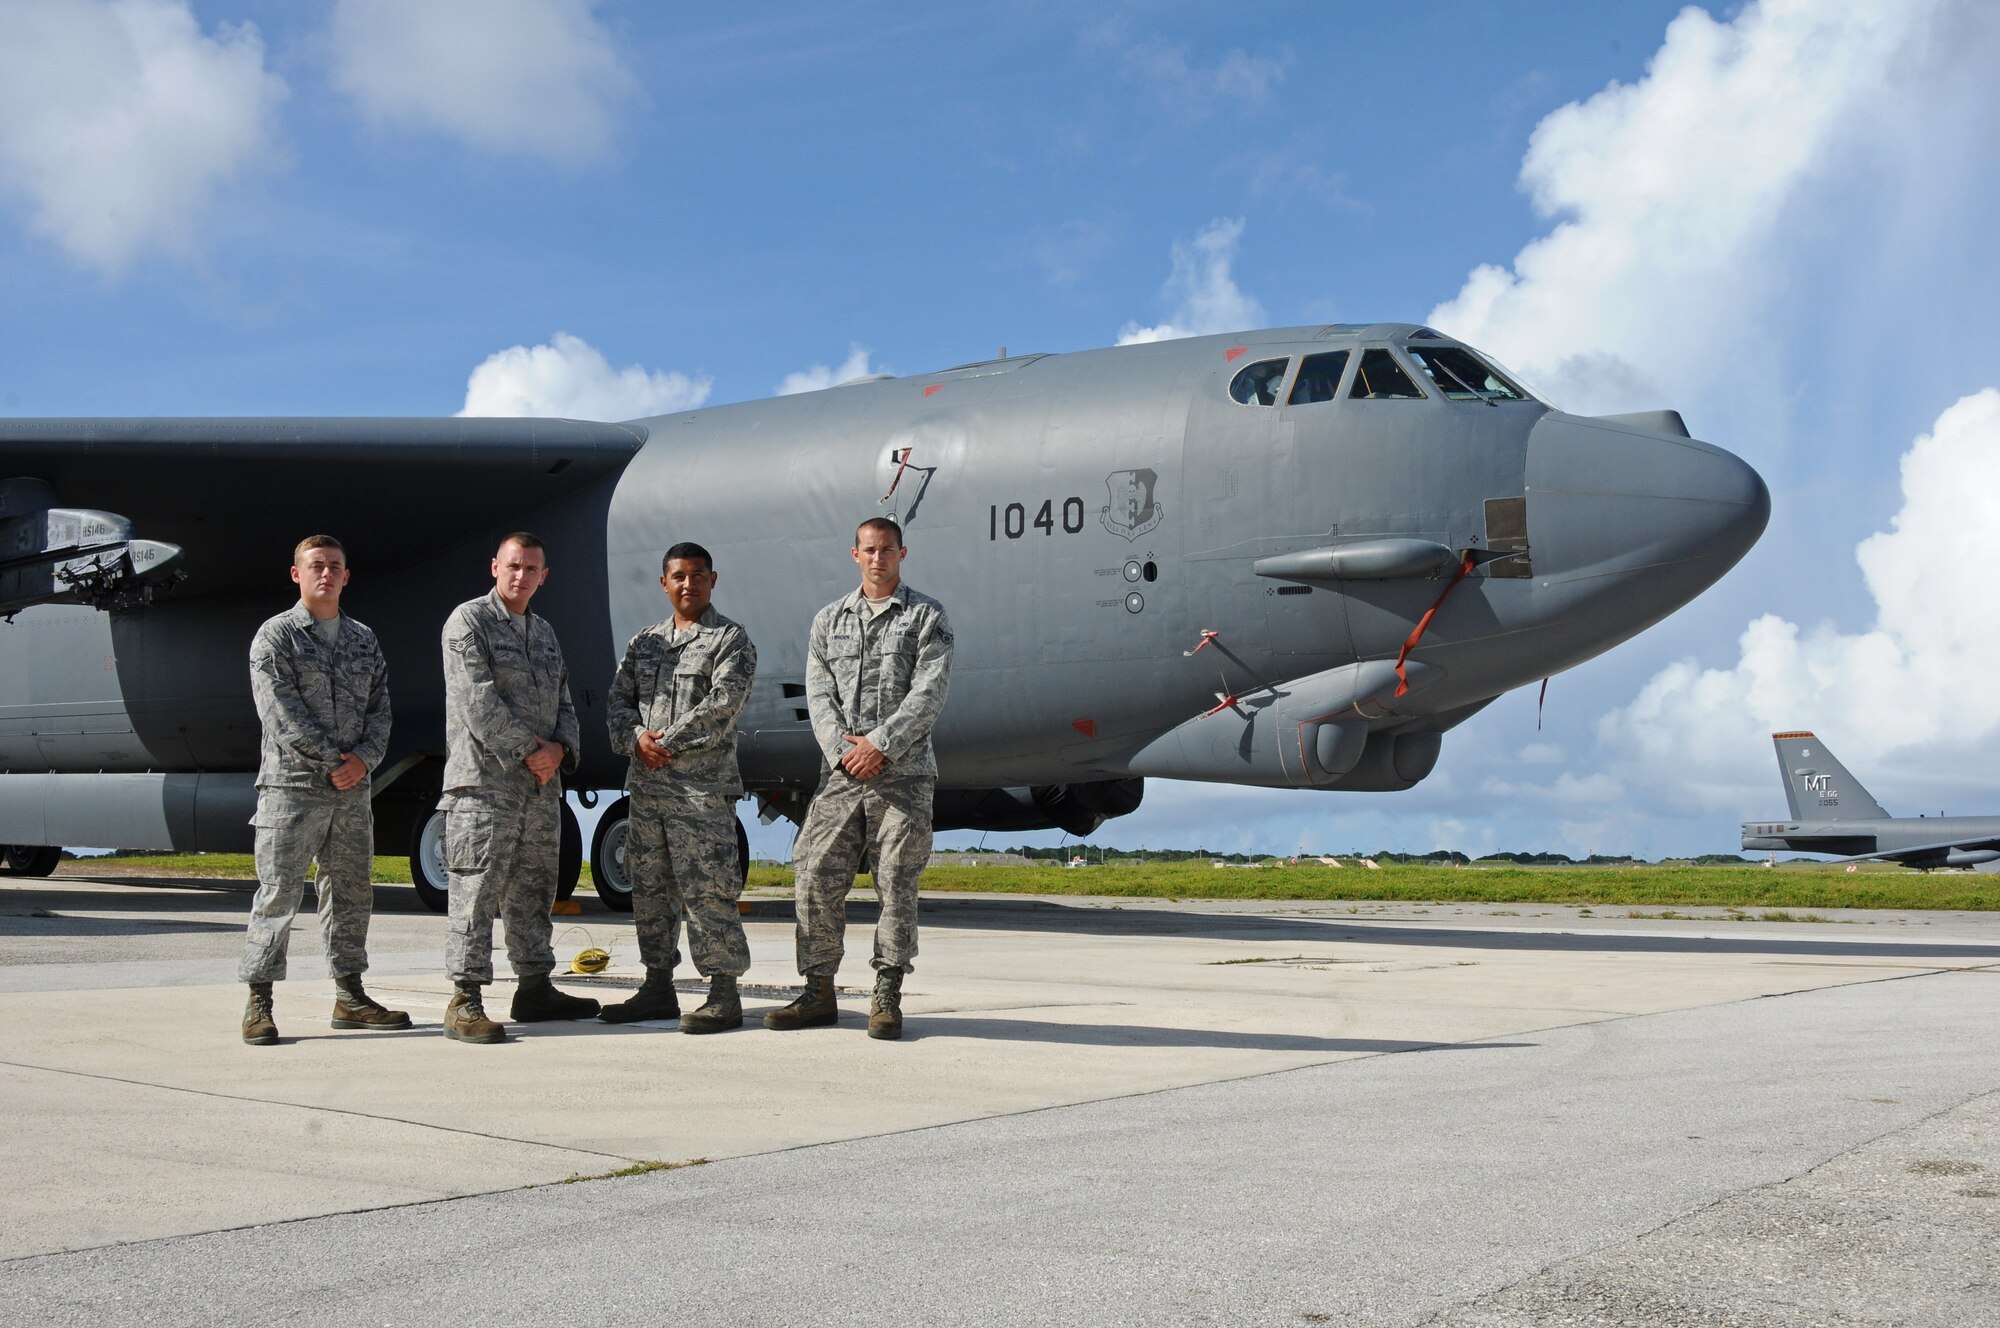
(525, 540)
(687, 549)
(311, 542)
(879, 523)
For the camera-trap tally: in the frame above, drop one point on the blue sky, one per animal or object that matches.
(1776, 217)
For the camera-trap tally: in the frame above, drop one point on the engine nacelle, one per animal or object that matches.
(1311, 732)
(1393, 762)
(1075, 808)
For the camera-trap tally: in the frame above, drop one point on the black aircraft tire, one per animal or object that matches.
(569, 865)
(29, 859)
(427, 862)
(607, 857)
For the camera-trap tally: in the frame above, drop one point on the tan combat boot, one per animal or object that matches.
(723, 1009)
(259, 1029)
(655, 999)
(355, 1008)
(465, 1018)
(537, 1001)
(815, 1007)
(885, 1012)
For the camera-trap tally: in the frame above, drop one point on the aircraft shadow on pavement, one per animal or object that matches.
(987, 1029)
(1265, 928)
(190, 895)
(208, 894)
(230, 899)
(48, 923)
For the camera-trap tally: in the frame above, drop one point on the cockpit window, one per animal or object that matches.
(1257, 384)
(1380, 378)
(1319, 377)
(1463, 376)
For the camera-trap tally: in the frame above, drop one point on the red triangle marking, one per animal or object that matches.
(932, 388)
(1087, 727)
(1229, 356)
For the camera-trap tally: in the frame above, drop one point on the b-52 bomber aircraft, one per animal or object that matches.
(1293, 558)
(1831, 813)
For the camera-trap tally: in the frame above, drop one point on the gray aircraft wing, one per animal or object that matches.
(1914, 854)
(198, 493)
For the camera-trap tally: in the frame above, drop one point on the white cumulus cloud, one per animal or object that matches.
(538, 78)
(1670, 195)
(1920, 677)
(1204, 291)
(570, 379)
(1697, 215)
(119, 121)
(821, 375)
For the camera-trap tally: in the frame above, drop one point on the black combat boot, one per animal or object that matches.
(723, 1009)
(355, 1008)
(885, 1012)
(259, 1029)
(465, 1018)
(655, 999)
(815, 1007)
(536, 1000)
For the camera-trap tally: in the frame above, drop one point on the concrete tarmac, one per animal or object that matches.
(1104, 1111)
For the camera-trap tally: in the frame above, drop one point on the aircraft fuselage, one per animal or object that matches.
(1137, 551)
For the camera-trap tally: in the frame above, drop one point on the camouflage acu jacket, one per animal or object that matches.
(689, 687)
(882, 676)
(501, 693)
(316, 701)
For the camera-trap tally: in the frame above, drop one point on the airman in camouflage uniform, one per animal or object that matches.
(510, 730)
(878, 664)
(322, 695)
(673, 710)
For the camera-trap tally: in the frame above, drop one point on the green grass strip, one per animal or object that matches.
(1799, 885)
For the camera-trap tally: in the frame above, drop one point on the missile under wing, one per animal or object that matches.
(1290, 558)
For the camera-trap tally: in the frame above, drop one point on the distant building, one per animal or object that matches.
(963, 858)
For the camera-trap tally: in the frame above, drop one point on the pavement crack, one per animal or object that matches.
(1033, 1005)
(1719, 1202)
(335, 1111)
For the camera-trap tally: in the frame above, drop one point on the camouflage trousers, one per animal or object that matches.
(681, 854)
(294, 828)
(502, 852)
(885, 821)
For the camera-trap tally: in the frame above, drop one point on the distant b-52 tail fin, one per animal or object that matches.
(1817, 785)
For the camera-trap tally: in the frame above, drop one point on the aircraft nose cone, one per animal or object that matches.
(1670, 513)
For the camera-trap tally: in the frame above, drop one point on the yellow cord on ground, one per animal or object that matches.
(592, 958)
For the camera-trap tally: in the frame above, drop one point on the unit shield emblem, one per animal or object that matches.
(1132, 510)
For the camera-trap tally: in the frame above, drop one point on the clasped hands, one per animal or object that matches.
(351, 771)
(864, 760)
(651, 754)
(545, 760)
